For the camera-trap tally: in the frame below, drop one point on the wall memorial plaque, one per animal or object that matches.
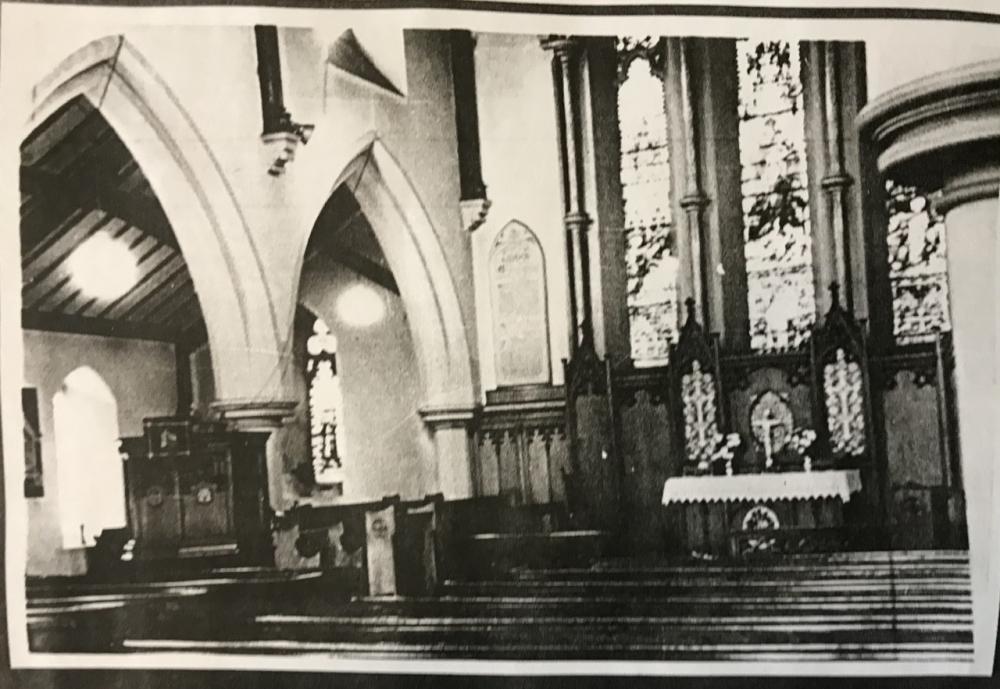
(520, 320)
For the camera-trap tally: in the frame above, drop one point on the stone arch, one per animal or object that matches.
(414, 253)
(243, 332)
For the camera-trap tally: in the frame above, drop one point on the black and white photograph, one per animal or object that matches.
(500, 342)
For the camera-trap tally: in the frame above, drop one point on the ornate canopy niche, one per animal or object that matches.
(943, 132)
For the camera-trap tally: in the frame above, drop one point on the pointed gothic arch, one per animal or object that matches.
(243, 327)
(412, 250)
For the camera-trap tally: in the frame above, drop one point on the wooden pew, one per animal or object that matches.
(388, 547)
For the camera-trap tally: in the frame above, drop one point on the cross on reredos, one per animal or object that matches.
(767, 425)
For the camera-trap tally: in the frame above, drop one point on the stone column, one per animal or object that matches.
(834, 89)
(943, 132)
(700, 92)
(602, 166)
(451, 429)
(263, 416)
(576, 221)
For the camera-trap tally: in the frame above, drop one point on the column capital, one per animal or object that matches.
(564, 47)
(577, 221)
(926, 131)
(255, 415)
(839, 180)
(694, 202)
(976, 185)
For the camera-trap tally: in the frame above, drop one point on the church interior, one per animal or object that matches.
(455, 343)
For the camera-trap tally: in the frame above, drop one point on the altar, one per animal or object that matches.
(732, 515)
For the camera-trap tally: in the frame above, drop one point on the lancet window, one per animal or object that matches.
(325, 404)
(774, 184)
(645, 178)
(918, 272)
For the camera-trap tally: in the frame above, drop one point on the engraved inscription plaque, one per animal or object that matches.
(520, 321)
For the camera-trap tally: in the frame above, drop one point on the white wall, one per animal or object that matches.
(142, 376)
(520, 156)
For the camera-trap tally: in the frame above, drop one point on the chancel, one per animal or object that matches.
(524, 347)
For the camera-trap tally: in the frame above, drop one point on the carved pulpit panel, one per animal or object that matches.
(520, 316)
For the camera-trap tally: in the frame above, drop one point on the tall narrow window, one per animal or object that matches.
(918, 271)
(88, 466)
(325, 404)
(645, 177)
(777, 240)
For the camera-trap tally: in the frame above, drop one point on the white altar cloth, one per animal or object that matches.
(799, 485)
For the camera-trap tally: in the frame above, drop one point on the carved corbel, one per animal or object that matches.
(474, 212)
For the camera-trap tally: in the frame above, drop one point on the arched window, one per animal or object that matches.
(774, 184)
(918, 270)
(645, 178)
(325, 404)
(88, 463)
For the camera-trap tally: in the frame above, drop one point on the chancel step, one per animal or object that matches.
(809, 609)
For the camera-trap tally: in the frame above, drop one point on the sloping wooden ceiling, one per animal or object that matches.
(342, 233)
(78, 179)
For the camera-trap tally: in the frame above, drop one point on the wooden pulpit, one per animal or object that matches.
(197, 489)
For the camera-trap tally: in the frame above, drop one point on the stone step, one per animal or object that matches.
(875, 606)
(959, 572)
(610, 607)
(654, 623)
(584, 634)
(776, 589)
(211, 579)
(918, 652)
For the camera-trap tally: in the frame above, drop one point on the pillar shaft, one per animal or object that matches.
(576, 220)
(943, 132)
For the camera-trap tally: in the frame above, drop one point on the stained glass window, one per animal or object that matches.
(325, 403)
(645, 177)
(918, 272)
(777, 240)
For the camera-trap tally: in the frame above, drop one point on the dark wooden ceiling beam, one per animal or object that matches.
(138, 211)
(361, 265)
(40, 276)
(148, 279)
(163, 290)
(84, 325)
(340, 212)
(91, 126)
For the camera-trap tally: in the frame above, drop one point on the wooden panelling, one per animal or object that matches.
(645, 446)
(913, 440)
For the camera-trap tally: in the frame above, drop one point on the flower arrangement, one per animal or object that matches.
(725, 449)
(801, 440)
